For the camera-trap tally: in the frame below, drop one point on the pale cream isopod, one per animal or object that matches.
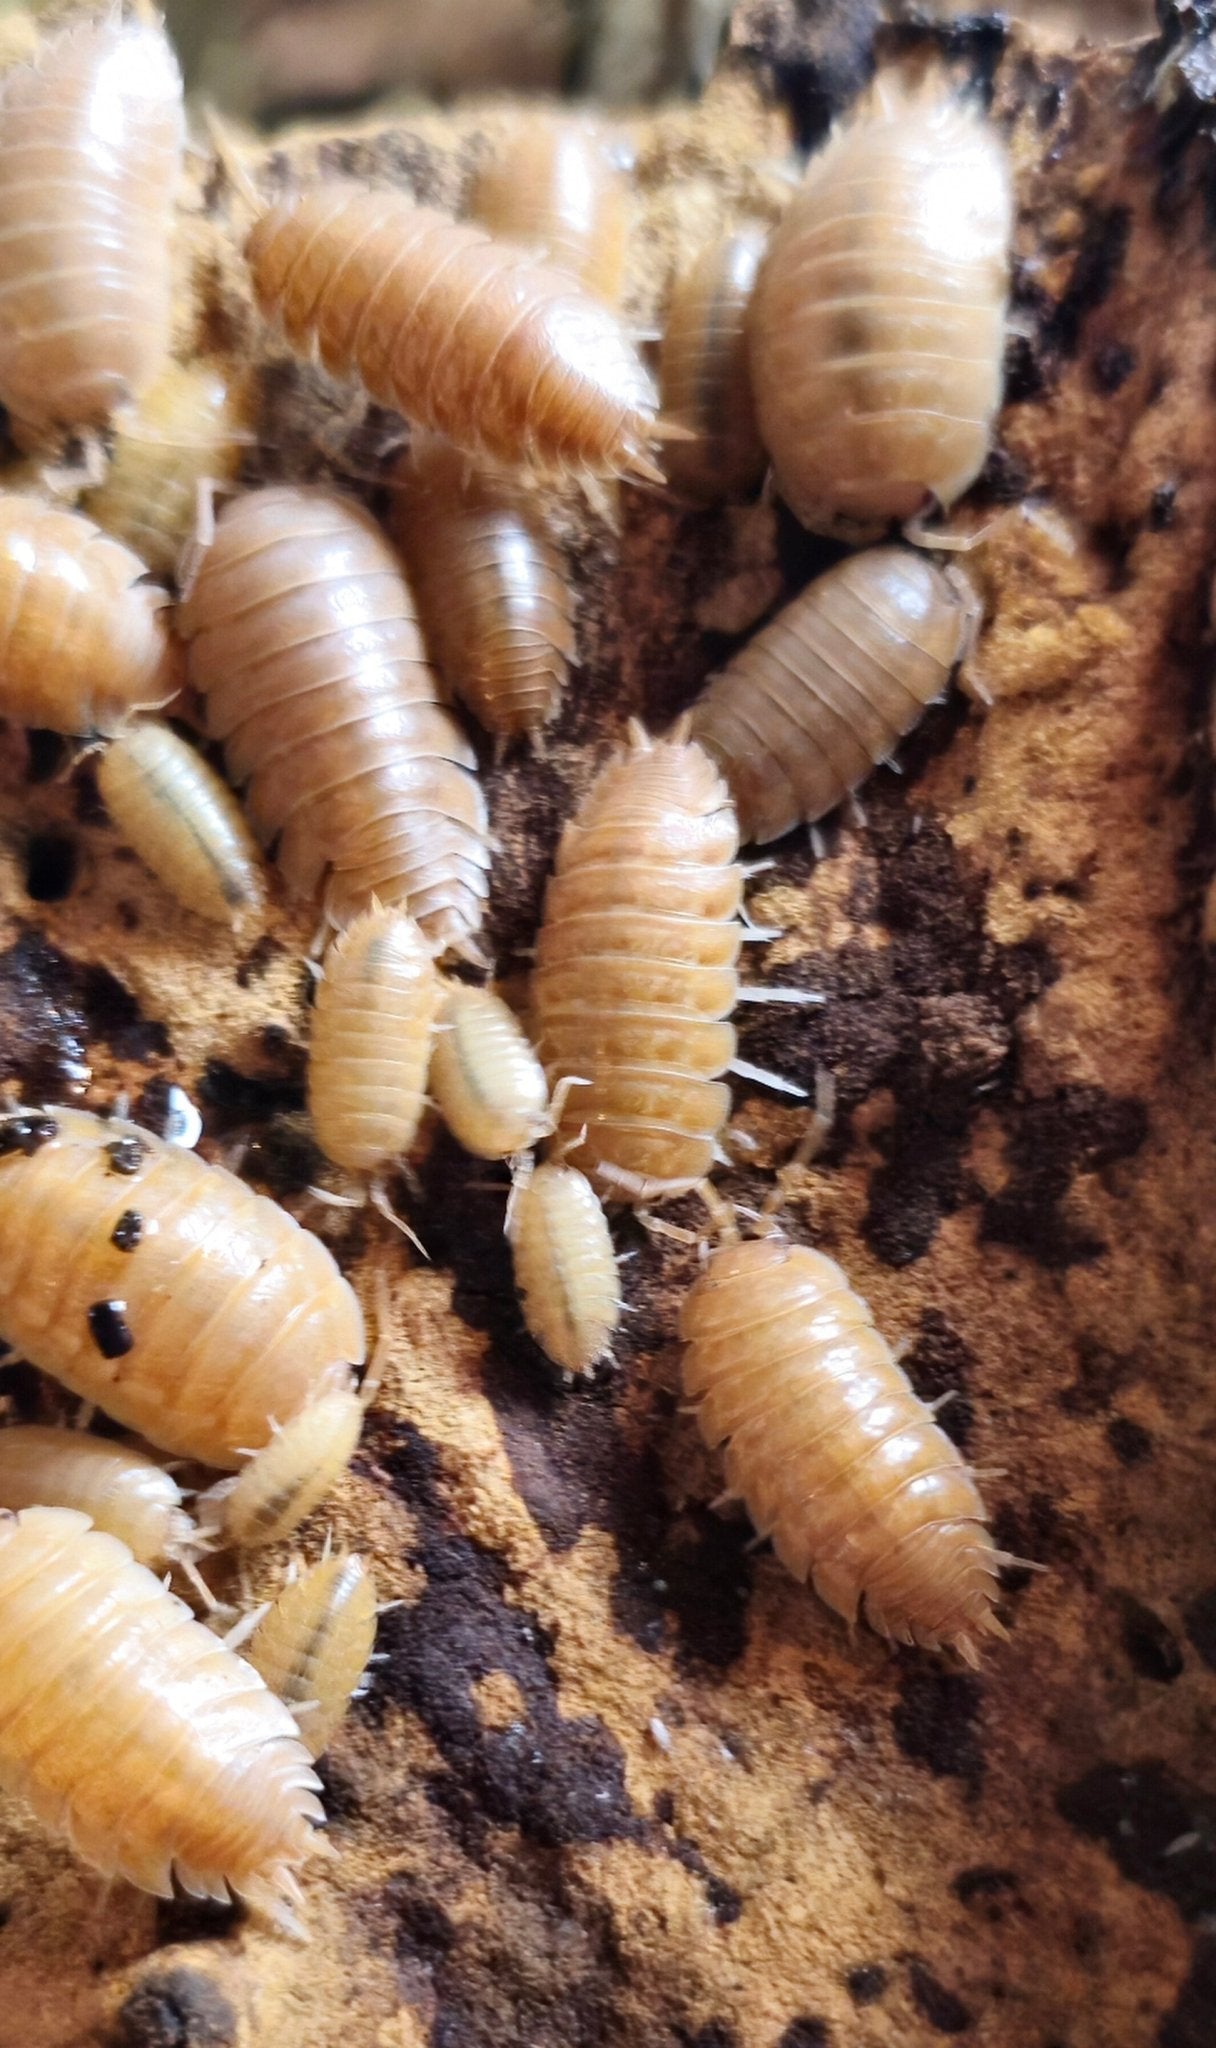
(190, 431)
(291, 1476)
(312, 1647)
(373, 1026)
(488, 1083)
(704, 375)
(168, 804)
(565, 1267)
(119, 1487)
(552, 186)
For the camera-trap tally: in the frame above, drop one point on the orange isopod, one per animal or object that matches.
(509, 358)
(119, 1487)
(91, 137)
(127, 1726)
(565, 1267)
(187, 1307)
(373, 1026)
(493, 597)
(189, 431)
(636, 969)
(822, 694)
(877, 327)
(84, 641)
(169, 804)
(304, 643)
(832, 1452)
(313, 1646)
(704, 375)
(554, 188)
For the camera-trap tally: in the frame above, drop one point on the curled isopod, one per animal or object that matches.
(877, 327)
(313, 1646)
(85, 640)
(823, 692)
(488, 1083)
(304, 644)
(493, 596)
(291, 1476)
(91, 137)
(553, 187)
(169, 804)
(188, 432)
(833, 1454)
(704, 377)
(636, 969)
(187, 1307)
(508, 357)
(565, 1267)
(128, 1727)
(119, 1487)
(372, 1030)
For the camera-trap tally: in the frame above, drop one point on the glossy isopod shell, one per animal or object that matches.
(127, 1726)
(877, 327)
(190, 430)
(305, 646)
(824, 692)
(373, 1025)
(91, 138)
(313, 1646)
(226, 1318)
(836, 1458)
(553, 187)
(118, 1487)
(169, 804)
(565, 1267)
(507, 356)
(636, 969)
(84, 641)
(704, 374)
(487, 1082)
(493, 596)
(279, 1488)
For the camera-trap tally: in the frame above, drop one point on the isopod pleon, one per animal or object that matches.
(493, 597)
(823, 693)
(279, 1488)
(835, 1457)
(119, 1488)
(169, 804)
(704, 376)
(373, 1025)
(553, 187)
(313, 1646)
(565, 1268)
(127, 1726)
(877, 326)
(488, 1084)
(508, 357)
(635, 969)
(190, 1309)
(91, 137)
(189, 431)
(304, 644)
(84, 641)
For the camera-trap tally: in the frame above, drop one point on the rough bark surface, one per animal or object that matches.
(620, 1783)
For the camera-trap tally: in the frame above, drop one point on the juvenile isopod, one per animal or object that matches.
(565, 1267)
(823, 692)
(119, 1488)
(190, 1309)
(189, 431)
(508, 357)
(373, 1026)
(553, 187)
(91, 137)
(704, 376)
(493, 596)
(169, 804)
(487, 1081)
(313, 1646)
(877, 327)
(835, 1457)
(127, 1726)
(304, 643)
(84, 641)
(291, 1476)
(635, 969)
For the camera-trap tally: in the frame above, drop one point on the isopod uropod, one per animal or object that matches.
(304, 644)
(488, 1084)
(822, 693)
(877, 326)
(126, 1724)
(312, 1647)
(704, 376)
(120, 1488)
(493, 597)
(553, 187)
(168, 803)
(635, 969)
(565, 1268)
(188, 431)
(372, 1030)
(91, 136)
(833, 1454)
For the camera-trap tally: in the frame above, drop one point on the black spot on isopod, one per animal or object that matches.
(1151, 1646)
(935, 1721)
(1130, 1442)
(51, 861)
(126, 1155)
(806, 2032)
(27, 1132)
(128, 1231)
(941, 2007)
(109, 1329)
(178, 2008)
(1160, 1831)
(865, 1983)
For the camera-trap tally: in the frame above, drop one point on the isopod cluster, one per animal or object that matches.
(323, 642)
